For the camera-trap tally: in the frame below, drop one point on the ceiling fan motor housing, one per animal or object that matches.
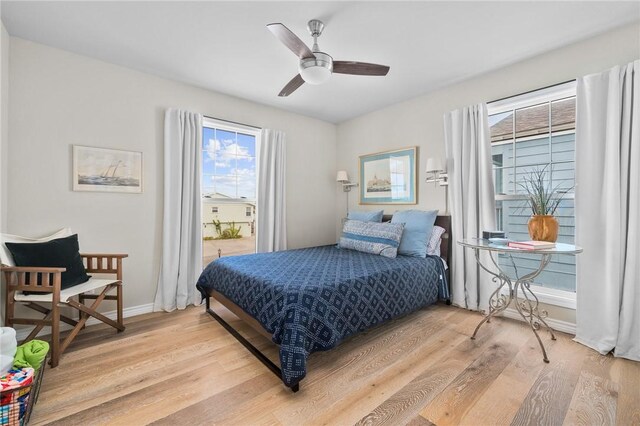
(316, 70)
(315, 27)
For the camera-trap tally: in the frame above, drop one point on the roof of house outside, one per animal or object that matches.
(219, 198)
(534, 120)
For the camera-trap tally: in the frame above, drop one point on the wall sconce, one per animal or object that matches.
(343, 178)
(435, 172)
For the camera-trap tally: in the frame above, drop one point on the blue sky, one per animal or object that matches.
(228, 163)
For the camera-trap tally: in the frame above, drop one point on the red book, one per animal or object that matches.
(532, 245)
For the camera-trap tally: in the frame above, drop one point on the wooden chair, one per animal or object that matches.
(47, 281)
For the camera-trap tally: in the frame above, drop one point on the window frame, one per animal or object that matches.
(563, 91)
(212, 123)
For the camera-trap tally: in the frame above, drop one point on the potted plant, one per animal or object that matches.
(543, 201)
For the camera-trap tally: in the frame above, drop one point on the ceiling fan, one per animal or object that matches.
(315, 66)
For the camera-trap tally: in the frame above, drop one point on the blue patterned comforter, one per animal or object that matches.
(311, 299)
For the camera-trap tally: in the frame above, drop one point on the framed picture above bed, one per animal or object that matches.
(388, 177)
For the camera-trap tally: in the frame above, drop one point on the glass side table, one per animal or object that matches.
(519, 291)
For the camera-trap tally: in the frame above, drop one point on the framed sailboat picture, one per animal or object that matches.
(388, 177)
(106, 170)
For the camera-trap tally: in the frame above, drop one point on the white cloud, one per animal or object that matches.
(223, 154)
(223, 151)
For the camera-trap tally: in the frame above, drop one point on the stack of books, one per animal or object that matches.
(532, 245)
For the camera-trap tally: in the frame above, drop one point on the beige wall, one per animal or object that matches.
(4, 122)
(419, 121)
(4, 138)
(59, 99)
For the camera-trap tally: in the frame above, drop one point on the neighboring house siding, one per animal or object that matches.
(515, 214)
(227, 213)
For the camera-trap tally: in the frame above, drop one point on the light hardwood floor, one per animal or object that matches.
(182, 368)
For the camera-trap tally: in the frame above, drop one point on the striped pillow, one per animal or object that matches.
(372, 237)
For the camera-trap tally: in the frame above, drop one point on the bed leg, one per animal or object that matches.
(295, 388)
(448, 302)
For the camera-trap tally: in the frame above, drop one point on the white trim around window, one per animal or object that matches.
(552, 296)
(212, 123)
(553, 93)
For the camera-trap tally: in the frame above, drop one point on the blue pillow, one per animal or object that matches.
(371, 237)
(418, 225)
(366, 216)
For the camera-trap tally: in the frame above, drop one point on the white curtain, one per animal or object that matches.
(182, 225)
(468, 149)
(608, 211)
(271, 210)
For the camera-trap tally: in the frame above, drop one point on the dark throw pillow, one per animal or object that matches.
(60, 253)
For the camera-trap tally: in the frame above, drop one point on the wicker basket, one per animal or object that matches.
(16, 404)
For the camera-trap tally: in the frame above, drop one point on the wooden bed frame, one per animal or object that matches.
(445, 253)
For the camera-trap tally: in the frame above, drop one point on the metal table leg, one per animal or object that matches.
(520, 293)
(498, 302)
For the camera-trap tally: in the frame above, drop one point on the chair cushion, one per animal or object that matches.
(66, 294)
(61, 253)
(5, 255)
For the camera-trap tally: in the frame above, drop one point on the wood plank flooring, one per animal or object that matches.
(182, 368)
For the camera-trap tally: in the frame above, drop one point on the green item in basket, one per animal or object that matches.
(31, 354)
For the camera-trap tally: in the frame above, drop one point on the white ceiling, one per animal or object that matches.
(226, 47)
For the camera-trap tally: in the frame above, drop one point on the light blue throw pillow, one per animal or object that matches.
(371, 237)
(366, 216)
(418, 225)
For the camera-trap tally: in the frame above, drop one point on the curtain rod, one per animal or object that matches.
(531, 91)
(232, 122)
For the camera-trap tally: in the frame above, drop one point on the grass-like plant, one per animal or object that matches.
(541, 197)
(232, 232)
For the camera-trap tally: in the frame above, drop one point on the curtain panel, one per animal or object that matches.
(608, 211)
(468, 150)
(181, 261)
(271, 209)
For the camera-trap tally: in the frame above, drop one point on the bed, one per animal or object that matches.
(309, 300)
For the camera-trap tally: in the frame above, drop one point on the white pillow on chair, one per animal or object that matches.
(5, 255)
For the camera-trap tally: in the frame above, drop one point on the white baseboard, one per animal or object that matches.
(563, 326)
(131, 311)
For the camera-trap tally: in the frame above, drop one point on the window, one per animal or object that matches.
(531, 132)
(228, 185)
(228, 164)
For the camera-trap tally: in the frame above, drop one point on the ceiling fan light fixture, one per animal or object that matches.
(316, 70)
(315, 67)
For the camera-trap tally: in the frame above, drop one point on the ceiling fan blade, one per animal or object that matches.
(291, 86)
(359, 68)
(292, 41)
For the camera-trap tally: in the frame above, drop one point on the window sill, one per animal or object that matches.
(551, 296)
